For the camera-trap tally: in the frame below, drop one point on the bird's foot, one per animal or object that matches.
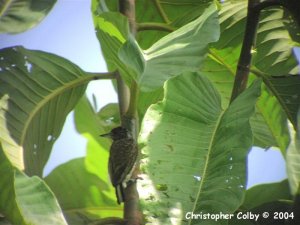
(133, 180)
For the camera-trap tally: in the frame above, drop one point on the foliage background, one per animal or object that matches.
(79, 117)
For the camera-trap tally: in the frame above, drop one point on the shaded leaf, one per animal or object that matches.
(287, 91)
(193, 149)
(83, 196)
(273, 57)
(18, 15)
(274, 117)
(266, 193)
(177, 13)
(37, 91)
(178, 52)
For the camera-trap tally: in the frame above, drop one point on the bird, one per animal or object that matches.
(122, 159)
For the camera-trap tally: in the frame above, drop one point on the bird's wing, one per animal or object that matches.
(123, 155)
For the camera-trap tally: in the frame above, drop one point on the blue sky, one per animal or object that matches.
(68, 31)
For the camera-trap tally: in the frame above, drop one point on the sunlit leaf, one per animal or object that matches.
(36, 202)
(25, 200)
(8, 205)
(195, 150)
(293, 159)
(178, 52)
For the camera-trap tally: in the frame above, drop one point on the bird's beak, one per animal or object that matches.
(108, 135)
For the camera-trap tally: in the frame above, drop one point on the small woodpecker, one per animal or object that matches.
(122, 159)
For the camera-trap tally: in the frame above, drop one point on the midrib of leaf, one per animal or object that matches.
(80, 209)
(220, 60)
(57, 92)
(6, 5)
(207, 160)
(278, 97)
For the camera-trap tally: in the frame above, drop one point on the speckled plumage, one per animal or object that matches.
(122, 159)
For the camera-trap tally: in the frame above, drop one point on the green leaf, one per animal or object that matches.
(82, 185)
(271, 58)
(25, 200)
(293, 159)
(109, 116)
(195, 150)
(37, 91)
(275, 118)
(178, 52)
(36, 202)
(287, 91)
(82, 194)
(8, 205)
(97, 124)
(112, 31)
(18, 15)
(266, 193)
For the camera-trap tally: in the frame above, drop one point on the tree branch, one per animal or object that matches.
(242, 73)
(129, 118)
(155, 26)
(123, 95)
(269, 3)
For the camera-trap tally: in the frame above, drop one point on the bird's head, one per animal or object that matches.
(117, 133)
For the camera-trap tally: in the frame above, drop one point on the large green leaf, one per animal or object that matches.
(273, 54)
(83, 196)
(37, 91)
(293, 159)
(271, 59)
(180, 51)
(35, 201)
(8, 205)
(168, 13)
(25, 200)
(286, 89)
(19, 15)
(195, 151)
(266, 193)
(82, 185)
(112, 32)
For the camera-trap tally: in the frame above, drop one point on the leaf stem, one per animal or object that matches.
(103, 76)
(155, 26)
(242, 72)
(161, 11)
(123, 95)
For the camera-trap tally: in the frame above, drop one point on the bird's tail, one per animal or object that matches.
(120, 193)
